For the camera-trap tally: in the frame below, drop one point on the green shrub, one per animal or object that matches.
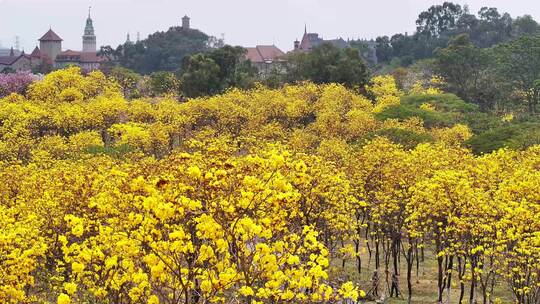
(443, 102)
(404, 111)
(407, 138)
(514, 136)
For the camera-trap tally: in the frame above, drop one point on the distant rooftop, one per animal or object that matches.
(78, 56)
(264, 53)
(50, 36)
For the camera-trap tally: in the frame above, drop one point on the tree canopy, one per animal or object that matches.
(162, 51)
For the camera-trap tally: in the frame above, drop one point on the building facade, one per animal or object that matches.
(185, 23)
(312, 40)
(21, 62)
(265, 58)
(50, 50)
(50, 45)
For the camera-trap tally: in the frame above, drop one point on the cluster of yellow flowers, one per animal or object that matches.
(248, 197)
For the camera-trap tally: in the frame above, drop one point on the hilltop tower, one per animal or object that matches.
(185, 22)
(89, 38)
(50, 45)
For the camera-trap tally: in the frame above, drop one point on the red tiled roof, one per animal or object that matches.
(50, 36)
(309, 41)
(77, 56)
(36, 53)
(253, 55)
(270, 52)
(263, 53)
(91, 57)
(70, 53)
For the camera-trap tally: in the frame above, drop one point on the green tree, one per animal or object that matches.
(127, 79)
(109, 53)
(518, 62)
(493, 28)
(383, 49)
(162, 83)
(163, 51)
(524, 25)
(327, 64)
(402, 46)
(466, 70)
(216, 71)
(234, 70)
(199, 76)
(439, 19)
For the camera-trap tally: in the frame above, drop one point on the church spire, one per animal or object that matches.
(89, 37)
(89, 29)
(11, 53)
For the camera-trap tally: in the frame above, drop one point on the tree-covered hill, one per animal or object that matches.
(162, 51)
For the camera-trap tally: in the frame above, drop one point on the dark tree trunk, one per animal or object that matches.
(461, 272)
(410, 261)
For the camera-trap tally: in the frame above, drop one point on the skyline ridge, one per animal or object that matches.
(279, 26)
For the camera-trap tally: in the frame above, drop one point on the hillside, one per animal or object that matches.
(303, 194)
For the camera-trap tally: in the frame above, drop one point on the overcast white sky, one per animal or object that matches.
(243, 22)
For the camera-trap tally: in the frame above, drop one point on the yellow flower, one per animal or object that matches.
(77, 267)
(153, 299)
(349, 291)
(64, 299)
(194, 172)
(111, 262)
(77, 230)
(70, 288)
(246, 291)
(293, 260)
(206, 286)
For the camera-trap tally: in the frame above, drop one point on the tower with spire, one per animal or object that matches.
(312, 40)
(89, 38)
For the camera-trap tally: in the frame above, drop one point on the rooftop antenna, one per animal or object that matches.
(17, 42)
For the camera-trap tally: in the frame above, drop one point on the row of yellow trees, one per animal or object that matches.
(251, 197)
